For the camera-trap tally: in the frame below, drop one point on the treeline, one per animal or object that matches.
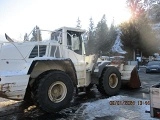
(100, 38)
(137, 34)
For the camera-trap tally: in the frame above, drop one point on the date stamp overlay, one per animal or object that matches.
(129, 102)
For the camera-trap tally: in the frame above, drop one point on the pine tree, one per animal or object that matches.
(26, 37)
(36, 34)
(102, 39)
(90, 47)
(130, 38)
(137, 34)
(78, 23)
(91, 25)
(112, 35)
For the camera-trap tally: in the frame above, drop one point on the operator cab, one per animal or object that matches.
(71, 37)
(66, 37)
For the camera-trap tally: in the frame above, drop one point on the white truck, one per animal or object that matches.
(48, 71)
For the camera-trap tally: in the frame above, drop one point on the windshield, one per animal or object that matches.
(74, 41)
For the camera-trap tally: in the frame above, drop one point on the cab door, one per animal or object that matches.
(75, 52)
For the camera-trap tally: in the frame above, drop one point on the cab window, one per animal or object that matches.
(74, 41)
(56, 35)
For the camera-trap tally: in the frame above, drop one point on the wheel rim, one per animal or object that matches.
(57, 91)
(113, 80)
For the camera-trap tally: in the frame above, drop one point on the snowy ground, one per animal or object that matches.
(103, 109)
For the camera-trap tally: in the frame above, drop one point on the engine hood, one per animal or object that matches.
(15, 50)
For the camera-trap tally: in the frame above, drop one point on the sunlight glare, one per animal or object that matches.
(118, 11)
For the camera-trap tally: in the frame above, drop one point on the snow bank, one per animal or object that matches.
(103, 108)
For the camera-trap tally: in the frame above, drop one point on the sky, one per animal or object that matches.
(18, 17)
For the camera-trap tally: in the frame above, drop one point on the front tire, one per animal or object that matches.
(110, 81)
(54, 91)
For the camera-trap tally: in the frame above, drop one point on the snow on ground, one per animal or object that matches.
(6, 102)
(102, 109)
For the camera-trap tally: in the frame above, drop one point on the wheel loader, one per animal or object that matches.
(47, 70)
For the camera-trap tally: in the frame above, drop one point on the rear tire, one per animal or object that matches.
(110, 81)
(54, 91)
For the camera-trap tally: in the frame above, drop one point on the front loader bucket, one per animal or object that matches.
(134, 79)
(130, 77)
